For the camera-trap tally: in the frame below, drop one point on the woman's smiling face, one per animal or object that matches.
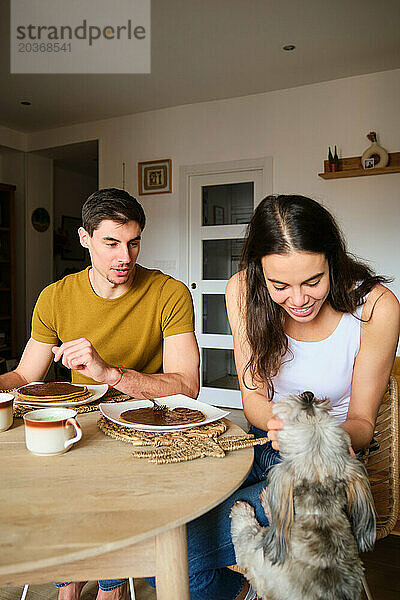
(298, 282)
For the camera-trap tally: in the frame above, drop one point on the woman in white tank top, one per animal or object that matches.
(304, 316)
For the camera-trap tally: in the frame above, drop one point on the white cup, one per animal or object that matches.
(6, 411)
(51, 431)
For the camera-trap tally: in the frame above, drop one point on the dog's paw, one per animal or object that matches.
(245, 531)
(241, 510)
(242, 519)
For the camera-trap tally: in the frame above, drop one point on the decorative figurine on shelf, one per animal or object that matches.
(379, 154)
(333, 160)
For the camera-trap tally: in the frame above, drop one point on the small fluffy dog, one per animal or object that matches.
(319, 505)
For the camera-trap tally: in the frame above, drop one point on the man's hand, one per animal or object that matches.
(81, 356)
(273, 426)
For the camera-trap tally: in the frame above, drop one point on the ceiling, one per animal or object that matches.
(213, 49)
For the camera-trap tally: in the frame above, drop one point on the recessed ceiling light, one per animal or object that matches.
(288, 47)
(25, 102)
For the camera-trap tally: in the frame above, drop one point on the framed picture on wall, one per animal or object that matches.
(72, 249)
(155, 177)
(369, 163)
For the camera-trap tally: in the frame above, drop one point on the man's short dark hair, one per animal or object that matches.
(111, 204)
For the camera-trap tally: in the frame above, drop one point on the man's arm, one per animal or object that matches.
(180, 364)
(33, 365)
(180, 371)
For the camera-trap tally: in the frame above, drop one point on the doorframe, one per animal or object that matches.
(186, 171)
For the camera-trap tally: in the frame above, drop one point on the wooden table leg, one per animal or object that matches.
(172, 577)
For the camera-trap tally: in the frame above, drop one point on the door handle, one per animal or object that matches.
(193, 286)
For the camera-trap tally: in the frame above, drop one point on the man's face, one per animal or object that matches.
(113, 249)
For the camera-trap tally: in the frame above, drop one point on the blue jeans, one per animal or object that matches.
(210, 547)
(105, 585)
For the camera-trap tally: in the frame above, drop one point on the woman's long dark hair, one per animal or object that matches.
(279, 225)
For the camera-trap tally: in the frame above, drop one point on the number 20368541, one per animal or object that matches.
(44, 47)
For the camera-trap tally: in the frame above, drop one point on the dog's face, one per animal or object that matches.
(307, 423)
(301, 409)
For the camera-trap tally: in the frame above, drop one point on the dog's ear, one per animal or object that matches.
(360, 505)
(278, 495)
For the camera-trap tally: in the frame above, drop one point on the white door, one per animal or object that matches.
(220, 206)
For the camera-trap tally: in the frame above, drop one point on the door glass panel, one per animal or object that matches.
(221, 258)
(215, 319)
(227, 204)
(219, 369)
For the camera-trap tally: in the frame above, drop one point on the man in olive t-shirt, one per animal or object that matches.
(128, 330)
(116, 322)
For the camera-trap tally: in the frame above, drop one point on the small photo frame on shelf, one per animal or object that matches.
(71, 249)
(369, 163)
(155, 177)
(218, 215)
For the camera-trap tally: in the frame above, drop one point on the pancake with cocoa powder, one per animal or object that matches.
(163, 418)
(54, 391)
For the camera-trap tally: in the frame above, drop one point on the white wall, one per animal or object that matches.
(294, 126)
(39, 245)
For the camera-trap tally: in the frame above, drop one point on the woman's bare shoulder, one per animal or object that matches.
(236, 300)
(382, 304)
(236, 286)
(381, 311)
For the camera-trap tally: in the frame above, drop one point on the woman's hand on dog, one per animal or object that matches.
(273, 426)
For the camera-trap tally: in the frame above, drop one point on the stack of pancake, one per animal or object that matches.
(55, 391)
(165, 417)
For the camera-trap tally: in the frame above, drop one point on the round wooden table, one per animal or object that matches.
(97, 513)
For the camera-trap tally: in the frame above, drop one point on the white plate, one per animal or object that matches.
(97, 391)
(113, 412)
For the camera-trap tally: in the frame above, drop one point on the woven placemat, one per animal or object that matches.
(179, 446)
(111, 395)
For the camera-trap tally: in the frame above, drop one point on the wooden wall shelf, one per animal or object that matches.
(351, 167)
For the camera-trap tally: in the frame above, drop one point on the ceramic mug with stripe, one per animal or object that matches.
(51, 431)
(6, 411)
